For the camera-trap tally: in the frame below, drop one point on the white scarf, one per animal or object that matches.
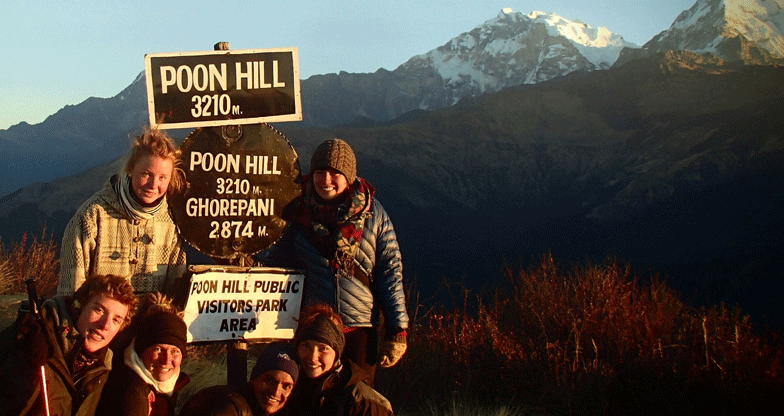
(135, 210)
(135, 363)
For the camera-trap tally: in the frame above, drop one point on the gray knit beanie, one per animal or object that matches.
(335, 154)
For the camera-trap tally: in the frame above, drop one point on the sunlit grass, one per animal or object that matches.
(551, 340)
(31, 257)
(584, 339)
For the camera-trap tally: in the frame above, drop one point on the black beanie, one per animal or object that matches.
(322, 330)
(161, 328)
(276, 356)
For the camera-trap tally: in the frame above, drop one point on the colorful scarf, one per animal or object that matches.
(338, 225)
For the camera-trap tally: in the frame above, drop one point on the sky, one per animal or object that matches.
(57, 52)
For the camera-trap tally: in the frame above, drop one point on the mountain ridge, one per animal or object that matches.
(508, 50)
(673, 161)
(751, 31)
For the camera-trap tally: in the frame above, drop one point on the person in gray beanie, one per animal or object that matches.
(329, 384)
(345, 242)
(271, 382)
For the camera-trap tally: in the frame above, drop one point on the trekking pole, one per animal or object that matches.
(32, 297)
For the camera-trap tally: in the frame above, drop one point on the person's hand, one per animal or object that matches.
(32, 341)
(391, 350)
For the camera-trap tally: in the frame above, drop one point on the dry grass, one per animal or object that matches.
(31, 257)
(585, 340)
(206, 366)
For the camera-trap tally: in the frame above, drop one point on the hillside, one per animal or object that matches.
(672, 162)
(510, 49)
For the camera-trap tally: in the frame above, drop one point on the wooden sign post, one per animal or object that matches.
(242, 189)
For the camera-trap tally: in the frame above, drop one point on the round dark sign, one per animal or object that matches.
(242, 187)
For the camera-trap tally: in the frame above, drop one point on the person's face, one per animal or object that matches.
(329, 183)
(150, 178)
(100, 320)
(272, 389)
(316, 358)
(162, 361)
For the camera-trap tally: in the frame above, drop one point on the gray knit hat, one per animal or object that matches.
(335, 154)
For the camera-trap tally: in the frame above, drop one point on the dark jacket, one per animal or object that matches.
(126, 394)
(378, 257)
(342, 392)
(67, 395)
(223, 401)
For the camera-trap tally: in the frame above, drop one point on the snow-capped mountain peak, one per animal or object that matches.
(598, 45)
(762, 21)
(727, 28)
(579, 32)
(514, 48)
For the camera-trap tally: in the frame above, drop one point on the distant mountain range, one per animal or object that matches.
(668, 158)
(509, 50)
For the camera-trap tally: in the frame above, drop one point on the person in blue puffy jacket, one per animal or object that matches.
(344, 241)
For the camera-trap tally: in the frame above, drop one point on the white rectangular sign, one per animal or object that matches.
(254, 303)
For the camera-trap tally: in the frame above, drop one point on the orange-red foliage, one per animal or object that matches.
(589, 338)
(30, 258)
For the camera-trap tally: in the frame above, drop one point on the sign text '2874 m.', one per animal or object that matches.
(223, 87)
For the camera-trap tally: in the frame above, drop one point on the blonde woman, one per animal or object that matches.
(125, 228)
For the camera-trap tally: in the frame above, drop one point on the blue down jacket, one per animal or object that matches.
(378, 256)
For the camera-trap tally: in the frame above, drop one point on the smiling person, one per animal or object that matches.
(345, 242)
(330, 385)
(125, 229)
(70, 343)
(148, 382)
(271, 382)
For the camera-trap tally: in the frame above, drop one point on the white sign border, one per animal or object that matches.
(190, 311)
(297, 116)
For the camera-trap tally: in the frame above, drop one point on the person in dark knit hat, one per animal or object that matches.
(328, 385)
(271, 382)
(345, 242)
(148, 382)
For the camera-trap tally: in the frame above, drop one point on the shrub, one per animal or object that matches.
(591, 339)
(30, 258)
